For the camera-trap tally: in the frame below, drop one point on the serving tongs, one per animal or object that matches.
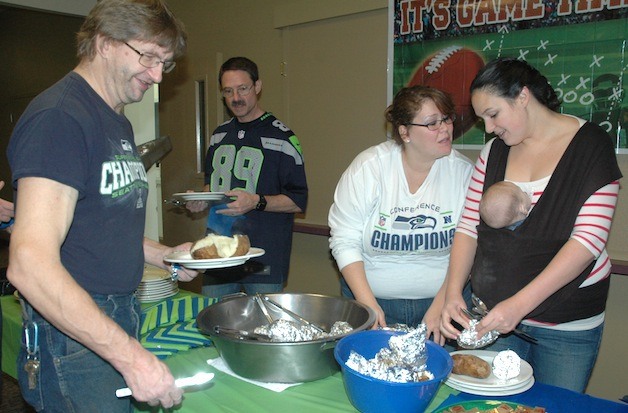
(240, 334)
(196, 380)
(262, 305)
(265, 299)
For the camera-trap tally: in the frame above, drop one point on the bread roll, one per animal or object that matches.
(470, 365)
(220, 246)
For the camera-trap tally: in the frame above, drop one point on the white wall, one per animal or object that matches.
(143, 117)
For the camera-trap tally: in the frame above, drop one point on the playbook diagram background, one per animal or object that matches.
(583, 56)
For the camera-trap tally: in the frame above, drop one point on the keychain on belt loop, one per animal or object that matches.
(32, 352)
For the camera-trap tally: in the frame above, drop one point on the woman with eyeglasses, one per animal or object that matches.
(395, 210)
(550, 276)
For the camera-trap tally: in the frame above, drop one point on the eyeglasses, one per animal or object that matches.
(149, 61)
(435, 125)
(242, 91)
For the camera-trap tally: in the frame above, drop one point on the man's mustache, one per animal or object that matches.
(237, 103)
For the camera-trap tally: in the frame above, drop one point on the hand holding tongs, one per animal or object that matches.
(479, 310)
(197, 379)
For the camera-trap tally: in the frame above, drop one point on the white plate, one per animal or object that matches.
(491, 382)
(144, 298)
(160, 289)
(155, 284)
(184, 258)
(151, 278)
(507, 391)
(200, 196)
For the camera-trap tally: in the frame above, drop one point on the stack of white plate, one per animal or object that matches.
(156, 285)
(491, 386)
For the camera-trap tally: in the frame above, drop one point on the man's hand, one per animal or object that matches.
(243, 203)
(7, 209)
(185, 274)
(155, 253)
(150, 379)
(196, 206)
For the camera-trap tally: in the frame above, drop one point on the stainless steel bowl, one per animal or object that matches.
(282, 362)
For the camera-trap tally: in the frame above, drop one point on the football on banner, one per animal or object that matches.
(452, 70)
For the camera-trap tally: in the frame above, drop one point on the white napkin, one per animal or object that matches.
(220, 364)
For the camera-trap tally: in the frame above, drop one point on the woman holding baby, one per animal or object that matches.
(550, 275)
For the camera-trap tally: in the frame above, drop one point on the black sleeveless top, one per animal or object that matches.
(507, 260)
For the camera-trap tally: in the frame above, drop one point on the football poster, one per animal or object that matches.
(579, 45)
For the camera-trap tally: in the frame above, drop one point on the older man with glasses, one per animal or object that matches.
(257, 161)
(77, 249)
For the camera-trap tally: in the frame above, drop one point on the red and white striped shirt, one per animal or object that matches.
(591, 229)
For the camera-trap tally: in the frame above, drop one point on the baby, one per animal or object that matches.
(504, 205)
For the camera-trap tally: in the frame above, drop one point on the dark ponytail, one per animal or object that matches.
(506, 77)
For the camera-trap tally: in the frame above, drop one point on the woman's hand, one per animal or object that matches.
(371, 302)
(380, 321)
(355, 277)
(504, 318)
(452, 311)
(432, 321)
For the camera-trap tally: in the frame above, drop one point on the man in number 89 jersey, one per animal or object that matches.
(257, 161)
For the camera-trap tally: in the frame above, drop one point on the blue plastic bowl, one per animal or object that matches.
(370, 395)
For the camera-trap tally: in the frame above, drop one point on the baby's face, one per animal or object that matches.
(525, 204)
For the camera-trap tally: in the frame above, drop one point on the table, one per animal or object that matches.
(155, 315)
(11, 333)
(228, 394)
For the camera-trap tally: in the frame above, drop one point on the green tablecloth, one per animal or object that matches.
(225, 393)
(168, 326)
(11, 334)
(168, 331)
(228, 394)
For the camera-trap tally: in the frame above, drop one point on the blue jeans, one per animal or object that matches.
(398, 311)
(403, 311)
(72, 378)
(561, 358)
(220, 290)
(408, 312)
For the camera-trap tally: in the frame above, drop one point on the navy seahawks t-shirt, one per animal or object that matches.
(70, 135)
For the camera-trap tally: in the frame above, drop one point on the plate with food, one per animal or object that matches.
(489, 406)
(200, 196)
(490, 373)
(216, 251)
